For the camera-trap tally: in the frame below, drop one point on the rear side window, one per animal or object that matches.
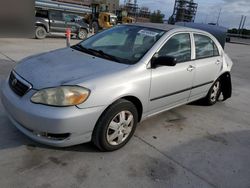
(178, 46)
(205, 47)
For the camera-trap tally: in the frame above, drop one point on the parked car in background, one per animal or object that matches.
(49, 22)
(99, 89)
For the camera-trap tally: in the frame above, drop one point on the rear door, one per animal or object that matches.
(171, 85)
(208, 63)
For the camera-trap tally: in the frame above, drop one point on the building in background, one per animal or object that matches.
(144, 12)
(131, 7)
(113, 5)
(104, 5)
(77, 2)
(141, 14)
(184, 11)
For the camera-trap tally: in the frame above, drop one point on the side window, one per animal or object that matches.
(56, 15)
(67, 17)
(205, 47)
(178, 46)
(42, 13)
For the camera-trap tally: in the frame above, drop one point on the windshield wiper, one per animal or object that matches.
(82, 49)
(105, 55)
(98, 53)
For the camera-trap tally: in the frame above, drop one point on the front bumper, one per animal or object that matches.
(39, 122)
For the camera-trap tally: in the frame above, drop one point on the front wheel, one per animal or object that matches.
(116, 126)
(40, 32)
(82, 34)
(213, 94)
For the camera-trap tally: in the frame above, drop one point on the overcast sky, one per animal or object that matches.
(208, 10)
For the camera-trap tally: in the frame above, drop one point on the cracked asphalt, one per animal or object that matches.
(189, 146)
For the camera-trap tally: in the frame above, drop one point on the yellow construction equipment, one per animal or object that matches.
(123, 18)
(100, 20)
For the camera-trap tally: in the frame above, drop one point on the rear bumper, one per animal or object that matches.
(71, 124)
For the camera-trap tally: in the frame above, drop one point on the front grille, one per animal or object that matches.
(18, 85)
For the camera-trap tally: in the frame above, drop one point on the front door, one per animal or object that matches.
(171, 85)
(57, 24)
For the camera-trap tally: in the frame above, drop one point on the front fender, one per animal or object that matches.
(42, 22)
(107, 89)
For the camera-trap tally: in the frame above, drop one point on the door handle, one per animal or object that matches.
(190, 68)
(217, 62)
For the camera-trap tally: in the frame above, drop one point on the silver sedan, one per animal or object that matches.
(99, 89)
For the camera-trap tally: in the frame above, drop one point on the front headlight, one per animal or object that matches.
(61, 96)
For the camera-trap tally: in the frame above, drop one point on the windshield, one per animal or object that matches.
(123, 44)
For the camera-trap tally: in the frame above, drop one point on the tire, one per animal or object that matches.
(40, 32)
(95, 26)
(112, 131)
(213, 94)
(82, 34)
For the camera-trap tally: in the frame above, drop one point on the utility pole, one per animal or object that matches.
(218, 18)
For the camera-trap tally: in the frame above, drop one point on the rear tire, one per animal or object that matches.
(40, 32)
(213, 94)
(116, 126)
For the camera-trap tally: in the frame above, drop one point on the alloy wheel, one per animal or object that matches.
(120, 128)
(215, 92)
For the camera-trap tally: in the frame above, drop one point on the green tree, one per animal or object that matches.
(156, 17)
(233, 31)
(242, 31)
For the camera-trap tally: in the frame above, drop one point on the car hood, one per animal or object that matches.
(62, 66)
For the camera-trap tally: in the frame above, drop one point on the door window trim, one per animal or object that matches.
(194, 46)
(169, 37)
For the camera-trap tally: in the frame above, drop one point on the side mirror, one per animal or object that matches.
(163, 61)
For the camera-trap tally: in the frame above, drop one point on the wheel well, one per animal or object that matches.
(226, 85)
(83, 28)
(137, 104)
(41, 25)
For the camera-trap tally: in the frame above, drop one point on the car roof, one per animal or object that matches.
(166, 27)
(176, 28)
